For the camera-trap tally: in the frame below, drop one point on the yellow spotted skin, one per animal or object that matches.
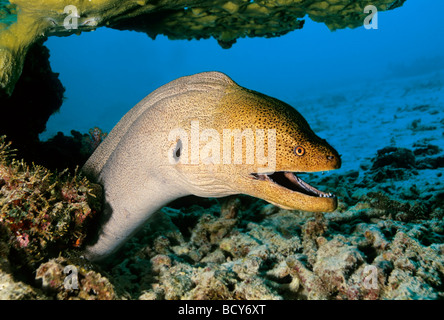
(134, 166)
(243, 108)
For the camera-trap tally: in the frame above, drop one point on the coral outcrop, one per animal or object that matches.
(44, 215)
(41, 212)
(12, 288)
(24, 22)
(67, 281)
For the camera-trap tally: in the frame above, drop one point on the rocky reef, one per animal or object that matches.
(42, 213)
(67, 279)
(385, 240)
(44, 219)
(376, 246)
(23, 22)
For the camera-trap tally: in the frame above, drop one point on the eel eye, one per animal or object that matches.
(299, 151)
(177, 150)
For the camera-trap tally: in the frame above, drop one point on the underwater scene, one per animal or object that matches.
(221, 150)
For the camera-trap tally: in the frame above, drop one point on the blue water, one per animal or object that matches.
(107, 72)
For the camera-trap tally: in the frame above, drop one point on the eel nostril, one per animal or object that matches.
(335, 161)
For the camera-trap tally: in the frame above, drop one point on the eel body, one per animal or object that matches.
(204, 135)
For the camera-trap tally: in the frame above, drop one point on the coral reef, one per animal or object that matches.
(73, 282)
(224, 20)
(376, 246)
(385, 240)
(12, 288)
(43, 213)
(369, 250)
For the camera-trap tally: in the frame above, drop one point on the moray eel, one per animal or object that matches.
(176, 142)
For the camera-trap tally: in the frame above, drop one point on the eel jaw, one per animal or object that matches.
(300, 194)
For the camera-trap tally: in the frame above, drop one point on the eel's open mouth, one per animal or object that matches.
(291, 181)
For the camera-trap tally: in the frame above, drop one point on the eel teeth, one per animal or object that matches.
(328, 195)
(291, 181)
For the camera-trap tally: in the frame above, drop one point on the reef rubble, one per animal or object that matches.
(378, 248)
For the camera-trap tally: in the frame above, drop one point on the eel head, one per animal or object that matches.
(295, 149)
(269, 143)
